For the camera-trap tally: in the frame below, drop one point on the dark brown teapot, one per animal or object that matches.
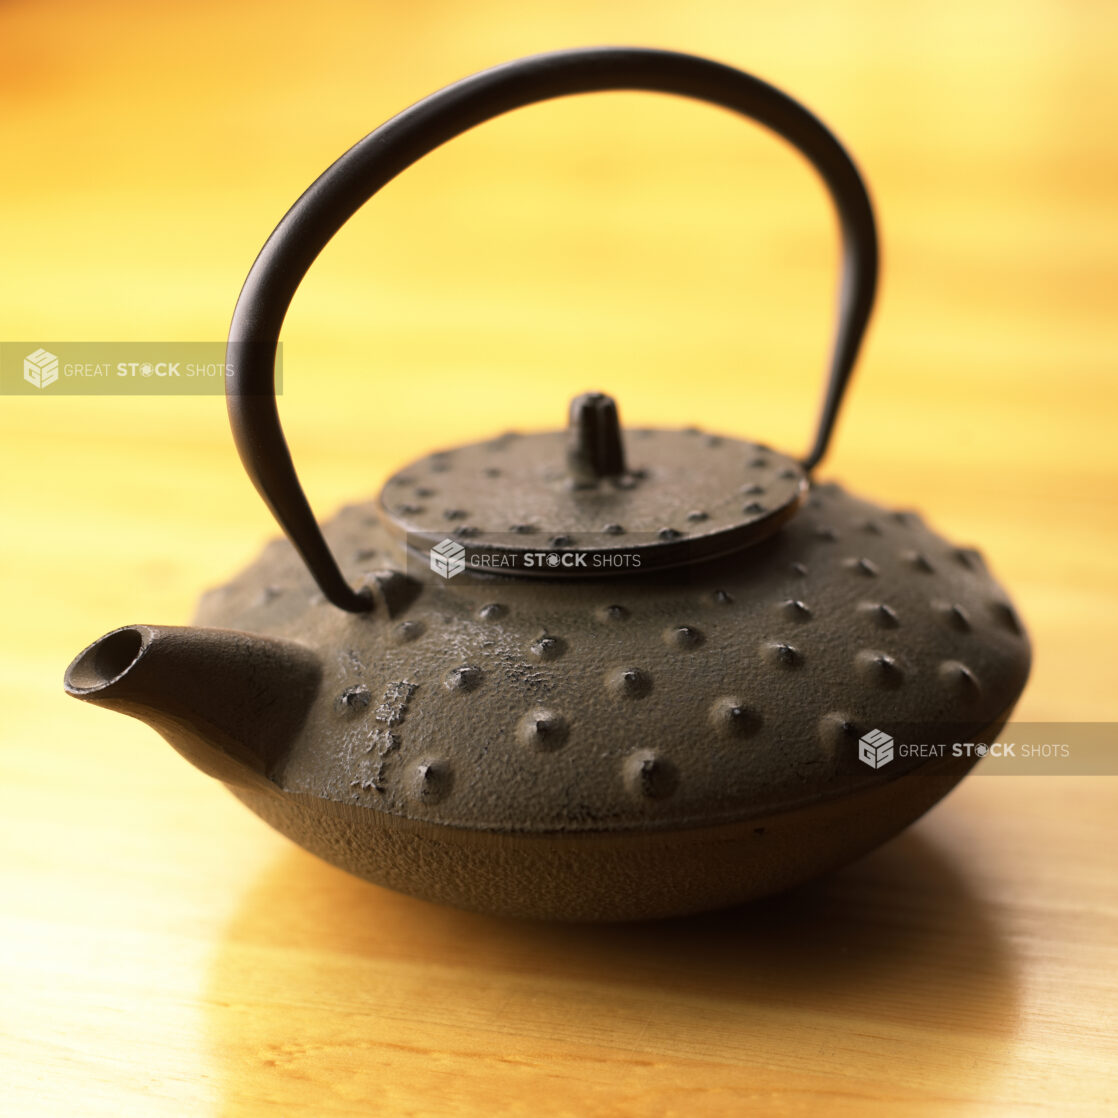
(592, 674)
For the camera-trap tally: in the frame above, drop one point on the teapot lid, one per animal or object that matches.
(589, 502)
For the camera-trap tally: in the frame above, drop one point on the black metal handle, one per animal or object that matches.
(352, 180)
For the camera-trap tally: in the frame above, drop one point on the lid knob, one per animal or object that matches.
(594, 447)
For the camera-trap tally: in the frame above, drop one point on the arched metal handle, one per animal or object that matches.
(353, 179)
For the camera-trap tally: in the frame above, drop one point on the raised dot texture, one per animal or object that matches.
(432, 780)
(649, 776)
(702, 703)
(968, 557)
(733, 718)
(683, 637)
(629, 683)
(781, 654)
(879, 669)
(408, 631)
(960, 680)
(917, 561)
(883, 616)
(794, 610)
(547, 647)
(465, 678)
(611, 613)
(542, 729)
(861, 566)
(953, 615)
(838, 735)
(354, 699)
(1006, 617)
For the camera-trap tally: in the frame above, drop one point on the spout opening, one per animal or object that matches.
(105, 661)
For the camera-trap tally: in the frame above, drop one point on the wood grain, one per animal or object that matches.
(163, 952)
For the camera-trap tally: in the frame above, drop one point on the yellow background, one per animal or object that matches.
(162, 951)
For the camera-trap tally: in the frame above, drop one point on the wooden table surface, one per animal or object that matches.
(163, 951)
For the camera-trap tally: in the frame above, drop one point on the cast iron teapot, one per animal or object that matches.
(591, 674)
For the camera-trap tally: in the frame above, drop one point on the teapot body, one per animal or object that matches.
(627, 747)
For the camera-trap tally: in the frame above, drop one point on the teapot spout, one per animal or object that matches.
(229, 702)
